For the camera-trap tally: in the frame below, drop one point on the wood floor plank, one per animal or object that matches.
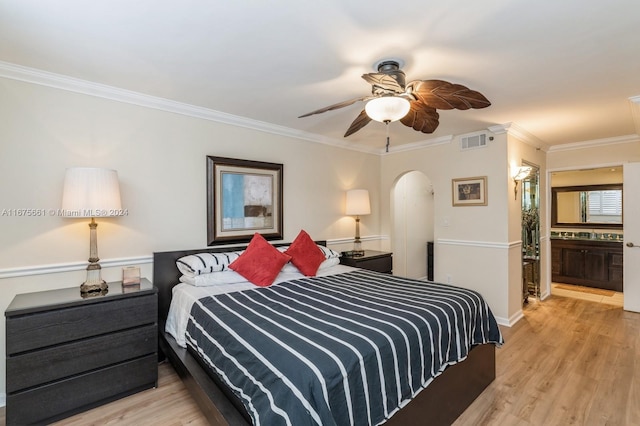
(633, 399)
(568, 361)
(614, 385)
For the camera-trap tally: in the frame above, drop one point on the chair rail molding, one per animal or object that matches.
(24, 271)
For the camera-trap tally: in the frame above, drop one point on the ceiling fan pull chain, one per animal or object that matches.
(387, 126)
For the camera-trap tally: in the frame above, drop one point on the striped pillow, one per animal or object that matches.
(206, 263)
(328, 253)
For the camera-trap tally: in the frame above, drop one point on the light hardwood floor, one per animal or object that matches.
(614, 298)
(567, 362)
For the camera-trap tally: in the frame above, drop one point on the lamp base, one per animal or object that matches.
(94, 282)
(94, 288)
(357, 249)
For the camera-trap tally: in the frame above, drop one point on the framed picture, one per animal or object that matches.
(470, 191)
(243, 197)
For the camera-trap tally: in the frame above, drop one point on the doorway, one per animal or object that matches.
(586, 234)
(412, 212)
(530, 204)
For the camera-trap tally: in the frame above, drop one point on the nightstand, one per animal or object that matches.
(372, 260)
(67, 354)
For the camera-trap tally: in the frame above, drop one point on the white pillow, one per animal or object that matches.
(219, 278)
(206, 263)
(332, 261)
(328, 263)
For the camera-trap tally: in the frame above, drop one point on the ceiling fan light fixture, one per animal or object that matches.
(386, 109)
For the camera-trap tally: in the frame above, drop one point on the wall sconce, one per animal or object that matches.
(519, 174)
(357, 204)
(91, 192)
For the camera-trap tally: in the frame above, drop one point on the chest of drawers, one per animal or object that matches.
(67, 354)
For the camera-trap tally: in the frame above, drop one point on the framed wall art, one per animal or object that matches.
(243, 197)
(470, 191)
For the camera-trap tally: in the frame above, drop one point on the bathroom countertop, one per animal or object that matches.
(581, 238)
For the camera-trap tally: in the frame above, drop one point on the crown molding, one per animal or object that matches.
(71, 84)
(419, 144)
(595, 143)
(512, 129)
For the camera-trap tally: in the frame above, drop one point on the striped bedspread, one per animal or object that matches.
(346, 349)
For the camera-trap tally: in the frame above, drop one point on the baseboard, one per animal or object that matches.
(511, 321)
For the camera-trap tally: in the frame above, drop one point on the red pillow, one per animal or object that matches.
(261, 262)
(305, 254)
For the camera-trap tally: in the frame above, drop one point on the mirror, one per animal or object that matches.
(589, 206)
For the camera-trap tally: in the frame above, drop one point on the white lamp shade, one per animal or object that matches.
(358, 202)
(387, 108)
(91, 192)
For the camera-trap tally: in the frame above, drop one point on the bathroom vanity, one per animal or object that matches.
(591, 262)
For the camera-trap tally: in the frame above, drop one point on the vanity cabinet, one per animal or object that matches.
(591, 263)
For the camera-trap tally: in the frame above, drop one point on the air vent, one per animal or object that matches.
(473, 142)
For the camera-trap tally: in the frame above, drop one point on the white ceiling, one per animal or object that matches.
(564, 71)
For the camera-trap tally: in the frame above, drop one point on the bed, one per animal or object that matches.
(441, 402)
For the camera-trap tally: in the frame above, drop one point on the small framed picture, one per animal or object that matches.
(130, 275)
(469, 191)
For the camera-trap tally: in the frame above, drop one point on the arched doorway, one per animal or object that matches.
(412, 212)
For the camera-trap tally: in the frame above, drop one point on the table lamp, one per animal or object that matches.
(90, 193)
(357, 204)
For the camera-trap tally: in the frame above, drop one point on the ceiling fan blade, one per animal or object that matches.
(421, 117)
(383, 81)
(361, 120)
(336, 106)
(444, 95)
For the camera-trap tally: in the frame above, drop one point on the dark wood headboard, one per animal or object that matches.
(166, 274)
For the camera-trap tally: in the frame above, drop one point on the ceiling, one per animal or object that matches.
(563, 71)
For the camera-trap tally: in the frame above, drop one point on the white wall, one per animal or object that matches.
(160, 158)
(412, 217)
(471, 243)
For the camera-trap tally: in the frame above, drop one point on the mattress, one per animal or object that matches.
(345, 348)
(184, 295)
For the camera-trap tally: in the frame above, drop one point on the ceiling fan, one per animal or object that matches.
(414, 103)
